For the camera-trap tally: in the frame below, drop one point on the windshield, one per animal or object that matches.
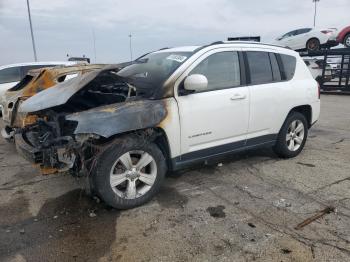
(152, 70)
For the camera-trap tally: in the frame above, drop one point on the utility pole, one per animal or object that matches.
(31, 32)
(94, 40)
(315, 1)
(130, 47)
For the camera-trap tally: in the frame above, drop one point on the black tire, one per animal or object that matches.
(313, 44)
(347, 41)
(281, 146)
(105, 162)
(10, 140)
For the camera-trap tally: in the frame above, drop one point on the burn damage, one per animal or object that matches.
(69, 120)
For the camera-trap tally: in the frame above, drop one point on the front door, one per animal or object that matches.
(216, 120)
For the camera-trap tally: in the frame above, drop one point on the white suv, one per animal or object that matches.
(168, 110)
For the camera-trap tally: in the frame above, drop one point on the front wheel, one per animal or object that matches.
(292, 136)
(129, 173)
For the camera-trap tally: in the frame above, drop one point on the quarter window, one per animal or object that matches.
(9, 75)
(259, 67)
(288, 68)
(221, 69)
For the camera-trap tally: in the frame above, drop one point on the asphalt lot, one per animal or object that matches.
(243, 210)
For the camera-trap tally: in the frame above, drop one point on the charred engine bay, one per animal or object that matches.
(107, 88)
(105, 106)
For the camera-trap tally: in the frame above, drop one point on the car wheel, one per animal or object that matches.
(313, 44)
(129, 173)
(347, 40)
(292, 136)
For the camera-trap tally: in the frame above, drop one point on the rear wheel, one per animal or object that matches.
(129, 173)
(292, 136)
(347, 41)
(313, 44)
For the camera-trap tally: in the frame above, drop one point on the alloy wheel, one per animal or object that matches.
(347, 41)
(295, 135)
(133, 174)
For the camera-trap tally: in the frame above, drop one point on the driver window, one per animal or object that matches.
(221, 70)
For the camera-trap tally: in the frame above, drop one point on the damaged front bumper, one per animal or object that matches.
(59, 155)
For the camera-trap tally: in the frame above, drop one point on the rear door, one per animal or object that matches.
(267, 96)
(216, 120)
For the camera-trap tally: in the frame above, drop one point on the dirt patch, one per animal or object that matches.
(72, 227)
(217, 212)
(169, 197)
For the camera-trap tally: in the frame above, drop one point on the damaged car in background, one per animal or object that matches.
(124, 128)
(35, 81)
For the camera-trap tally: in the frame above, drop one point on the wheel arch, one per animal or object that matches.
(305, 110)
(154, 134)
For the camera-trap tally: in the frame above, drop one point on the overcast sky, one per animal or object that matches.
(64, 27)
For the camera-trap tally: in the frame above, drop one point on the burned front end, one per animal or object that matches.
(48, 143)
(68, 124)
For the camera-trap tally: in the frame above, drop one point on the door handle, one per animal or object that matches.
(238, 97)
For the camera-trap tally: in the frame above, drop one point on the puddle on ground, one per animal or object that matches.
(72, 227)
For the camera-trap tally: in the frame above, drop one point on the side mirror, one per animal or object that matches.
(196, 82)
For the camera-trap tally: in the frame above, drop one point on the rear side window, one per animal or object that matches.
(288, 66)
(9, 75)
(259, 67)
(304, 31)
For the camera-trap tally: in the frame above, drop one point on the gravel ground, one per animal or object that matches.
(244, 209)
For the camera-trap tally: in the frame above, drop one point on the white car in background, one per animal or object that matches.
(10, 75)
(311, 39)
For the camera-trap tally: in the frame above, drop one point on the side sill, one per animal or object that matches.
(178, 164)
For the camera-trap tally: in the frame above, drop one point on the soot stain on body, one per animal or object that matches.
(64, 230)
(217, 212)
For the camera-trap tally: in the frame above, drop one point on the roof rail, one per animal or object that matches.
(240, 42)
(217, 43)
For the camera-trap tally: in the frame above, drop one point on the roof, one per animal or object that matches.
(224, 43)
(179, 49)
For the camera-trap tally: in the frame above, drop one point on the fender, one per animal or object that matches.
(114, 119)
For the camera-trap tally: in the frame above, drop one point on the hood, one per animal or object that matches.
(62, 92)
